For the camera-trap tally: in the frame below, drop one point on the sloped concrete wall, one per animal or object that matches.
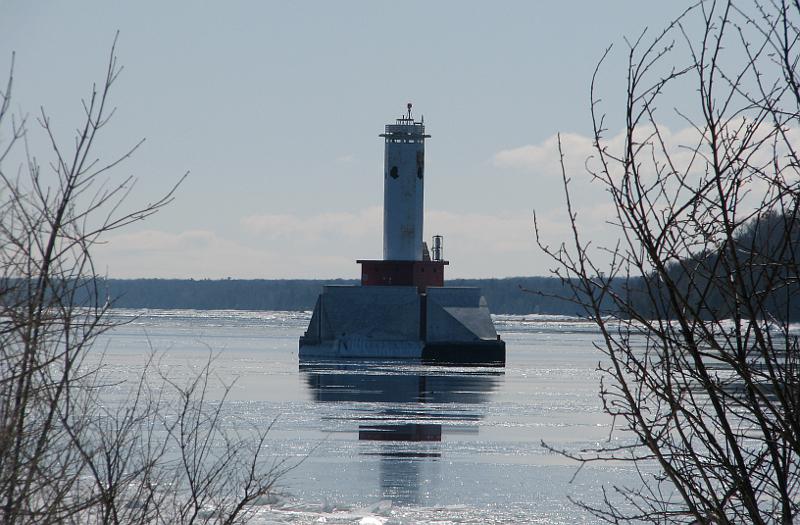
(312, 335)
(458, 315)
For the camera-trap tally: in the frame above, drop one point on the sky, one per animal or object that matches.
(275, 107)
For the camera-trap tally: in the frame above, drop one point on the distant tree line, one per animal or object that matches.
(516, 295)
(760, 242)
(765, 251)
(212, 294)
(757, 243)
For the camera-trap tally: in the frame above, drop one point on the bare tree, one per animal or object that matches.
(702, 367)
(65, 454)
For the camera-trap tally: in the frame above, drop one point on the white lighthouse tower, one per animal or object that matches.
(403, 188)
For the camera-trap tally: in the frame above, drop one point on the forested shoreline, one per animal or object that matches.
(515, 295)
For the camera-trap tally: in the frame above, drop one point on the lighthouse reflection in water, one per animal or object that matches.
(403, 412)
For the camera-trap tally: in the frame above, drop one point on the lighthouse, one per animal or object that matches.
(403, 188)
(406, 259)
(402, 308)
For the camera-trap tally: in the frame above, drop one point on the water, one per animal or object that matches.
(390, 442)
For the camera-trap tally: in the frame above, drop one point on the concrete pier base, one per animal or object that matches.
(442, 324)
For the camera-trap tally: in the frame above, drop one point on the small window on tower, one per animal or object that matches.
(393, 172)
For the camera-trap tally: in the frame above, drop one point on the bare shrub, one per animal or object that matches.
(697, 302)
(67, 455)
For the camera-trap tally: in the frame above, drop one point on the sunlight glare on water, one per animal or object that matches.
(393, 442)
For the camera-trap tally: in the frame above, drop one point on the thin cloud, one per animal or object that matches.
(204, 254)
(358, 225)
(324, 245)
(346, 159)
(160, 241)
(543, 157)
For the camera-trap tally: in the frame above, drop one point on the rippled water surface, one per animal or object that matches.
(392, 442)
